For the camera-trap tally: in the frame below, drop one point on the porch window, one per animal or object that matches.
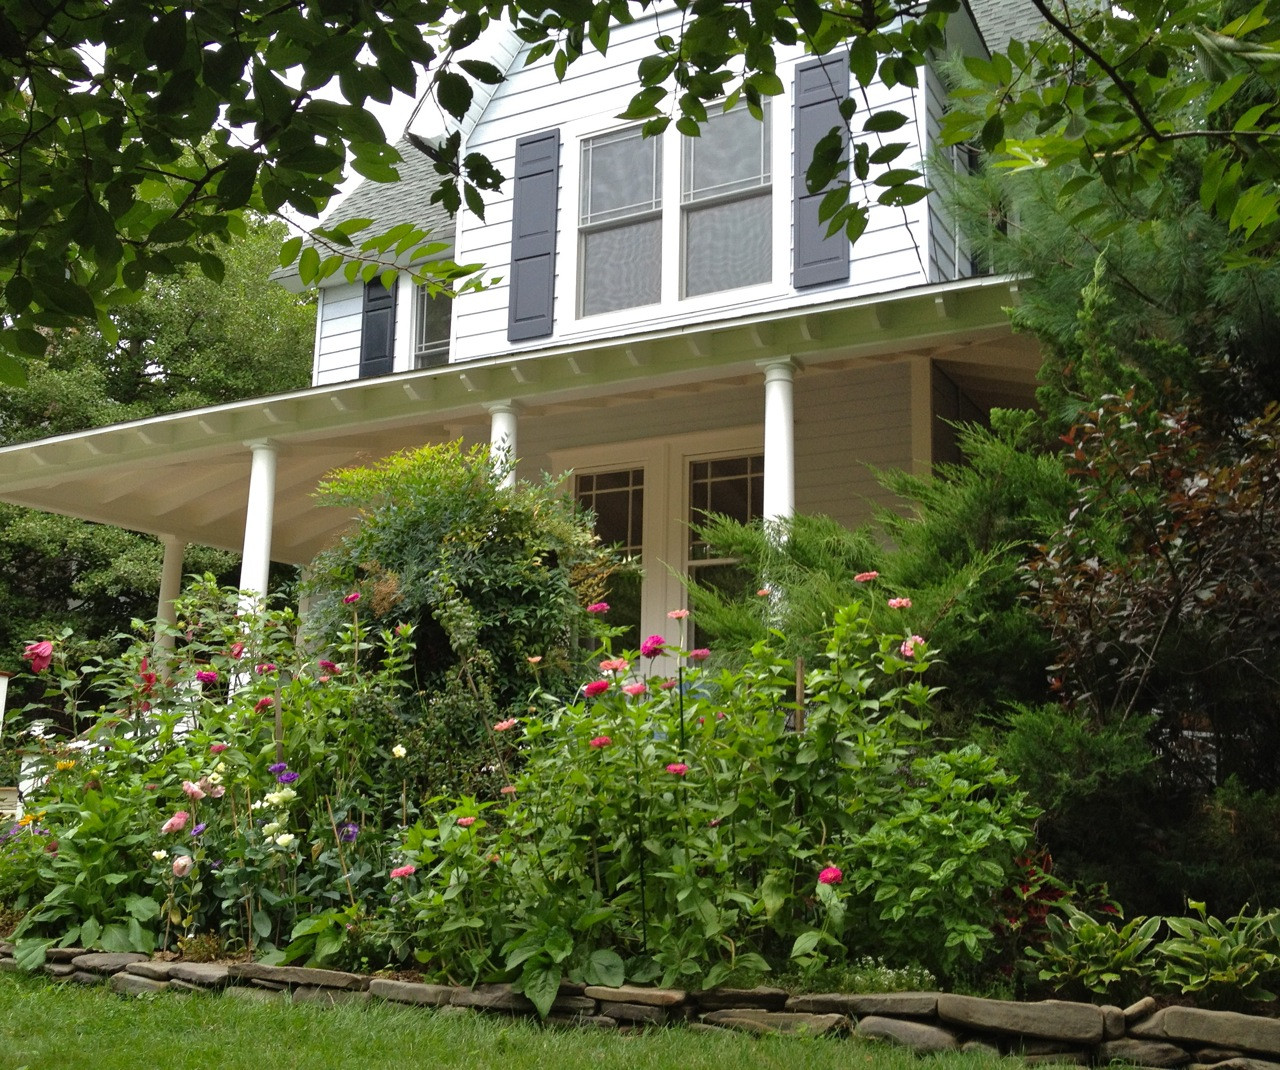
(729, 486)
(617, 500)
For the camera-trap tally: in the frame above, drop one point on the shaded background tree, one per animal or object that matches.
(186, 342)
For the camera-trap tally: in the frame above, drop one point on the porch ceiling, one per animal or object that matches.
(186, 475)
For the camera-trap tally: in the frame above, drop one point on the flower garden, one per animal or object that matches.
(545, 807)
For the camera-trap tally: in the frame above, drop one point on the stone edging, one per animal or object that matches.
(1051, 1031)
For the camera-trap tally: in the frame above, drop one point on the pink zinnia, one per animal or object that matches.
(404, 871)
(237, 649)
(192, 791)
(865, 577)
(908, 647)
(39, 654)
(176, 823)
(263, 703)
(652, 646)
(207, 676)
(354, 596)
(508, 789)
(596, 687)
(217, 748)
(327, 665)
(667, 685)
(899, 603)
(701, 654)
(466, 822)
(677, 769)
(678, 614)
(614, 665)
(264, 667)
(503, 726)
(638, 688)
(598, 607)
(600, 741)
(831, 875)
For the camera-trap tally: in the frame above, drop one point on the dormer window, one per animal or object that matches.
(431, 321)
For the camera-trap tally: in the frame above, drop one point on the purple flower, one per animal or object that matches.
(348, 832)
(199, 828)
(652, 646)
(354, 596)
(327, 665)
(207, 676)
(277, 767)
(287, 777)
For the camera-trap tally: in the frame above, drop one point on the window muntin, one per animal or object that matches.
(726, 198)
(620, 222)
(432, 314)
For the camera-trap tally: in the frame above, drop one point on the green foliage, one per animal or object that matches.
(490, 576)
(280, 815)
(1221, 962)
(683, 830)
(1154, 88)
(183, 343)
(1083, 953)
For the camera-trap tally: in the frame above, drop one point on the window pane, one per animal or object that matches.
(431, 329)
(621, 267)
(733, 486)
(620, 176)
(731, 155)
(617, 499)
(727, 245)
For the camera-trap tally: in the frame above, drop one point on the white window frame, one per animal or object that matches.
(665, 532)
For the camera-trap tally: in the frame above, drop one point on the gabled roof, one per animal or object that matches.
(1001, 21)
(406, 201)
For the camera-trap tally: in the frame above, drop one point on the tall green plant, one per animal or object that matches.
(495, 580)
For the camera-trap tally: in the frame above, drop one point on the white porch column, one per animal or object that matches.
(502, 439)
(779, 440)
(170, 587)
(256, 559)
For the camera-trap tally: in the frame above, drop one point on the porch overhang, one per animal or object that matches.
(185, 476)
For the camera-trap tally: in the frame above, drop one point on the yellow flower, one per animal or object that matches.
(65, 764)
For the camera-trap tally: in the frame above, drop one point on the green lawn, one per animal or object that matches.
(48, 1027)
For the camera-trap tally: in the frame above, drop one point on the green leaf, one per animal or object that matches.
(884, 122)
(90, 932)
(605, 967)
(289, 250)
(540, 981)
(141, 907)
(805, 943)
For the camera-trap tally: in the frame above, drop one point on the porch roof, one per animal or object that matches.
(186, 475)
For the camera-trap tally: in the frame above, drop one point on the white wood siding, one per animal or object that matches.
(892, 253)
(338, 335)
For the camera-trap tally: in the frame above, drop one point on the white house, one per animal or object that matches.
(670, 323)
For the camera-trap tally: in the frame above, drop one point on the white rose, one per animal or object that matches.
(398, 751)
(215, 778)
(271, 828)
(285, 839)
(159, 856)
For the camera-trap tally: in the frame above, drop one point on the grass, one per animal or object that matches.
(44, 1026)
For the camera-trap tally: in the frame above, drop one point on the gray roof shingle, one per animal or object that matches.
(1000, 21)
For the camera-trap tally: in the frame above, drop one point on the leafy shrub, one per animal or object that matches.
(489, 577)
(1084, 953)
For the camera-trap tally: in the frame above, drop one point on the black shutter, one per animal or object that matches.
(820, 86)
(533, 236)
(377, 330)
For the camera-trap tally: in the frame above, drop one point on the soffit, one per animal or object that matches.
(185, 475)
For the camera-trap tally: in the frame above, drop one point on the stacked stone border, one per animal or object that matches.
(1051, 1031)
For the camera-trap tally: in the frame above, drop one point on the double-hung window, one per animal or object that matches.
(726, 199)
(721, 188)
(620, 222)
